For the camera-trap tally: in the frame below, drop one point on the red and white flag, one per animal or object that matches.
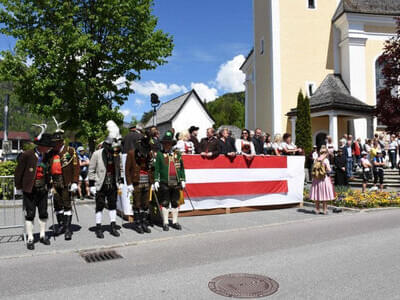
(221, 182)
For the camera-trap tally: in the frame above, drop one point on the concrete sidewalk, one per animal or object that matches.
(12, 245)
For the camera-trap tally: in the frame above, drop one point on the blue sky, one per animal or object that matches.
(211, 39)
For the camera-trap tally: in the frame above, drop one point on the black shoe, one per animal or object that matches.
(45, 241)
(145, 225)
(30, 245)
(138, 228)
(165, 227)
(68, 232)
(177, 226)
(113, 230)
(99, 232)
(60, 226)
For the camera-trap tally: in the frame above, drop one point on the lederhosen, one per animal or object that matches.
(142, 189)
(38, 196)
(109, 189)
(62, 196)
(169, 191)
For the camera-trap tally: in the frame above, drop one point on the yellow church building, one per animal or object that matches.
(326, 48)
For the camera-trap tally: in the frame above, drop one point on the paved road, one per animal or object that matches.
(345, 256)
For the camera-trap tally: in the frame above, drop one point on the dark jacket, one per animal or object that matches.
(225, 147)
(69, 163)
(209, 145)
(196, 144)
(258, 145)
(25, 172)
(133, 166)
(128, 143)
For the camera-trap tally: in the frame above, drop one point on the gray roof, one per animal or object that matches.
(375, 7)
(333, 94)
(168, 110)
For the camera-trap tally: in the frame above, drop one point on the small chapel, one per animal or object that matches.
(329, 49)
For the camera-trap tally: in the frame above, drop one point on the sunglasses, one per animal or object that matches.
(244, 133)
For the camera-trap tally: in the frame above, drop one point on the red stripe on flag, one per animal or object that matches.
(221, 189)
(222, 162)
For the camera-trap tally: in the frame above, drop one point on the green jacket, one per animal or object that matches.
(161, 167)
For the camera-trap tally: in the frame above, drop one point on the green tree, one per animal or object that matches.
(76, 59)
(134, 121)
(303, 123)
(146, 117)
(228, 109)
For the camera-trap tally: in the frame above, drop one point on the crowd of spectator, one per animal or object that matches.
(367, 159)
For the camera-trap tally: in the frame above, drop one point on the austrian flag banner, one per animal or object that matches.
(222, 182)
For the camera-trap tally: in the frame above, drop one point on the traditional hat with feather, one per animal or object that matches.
(43, 139)
(58, 134)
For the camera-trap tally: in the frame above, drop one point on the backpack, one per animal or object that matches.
(318, 170)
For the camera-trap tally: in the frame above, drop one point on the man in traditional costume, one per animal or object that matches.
(139, 177)
(169, 177)
(31, 181)
(105, 178)
(64, 170)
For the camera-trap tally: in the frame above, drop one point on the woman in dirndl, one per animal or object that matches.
(322, 188)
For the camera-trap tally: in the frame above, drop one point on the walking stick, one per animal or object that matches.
(73, 203)
(51, 195)
(190, 200)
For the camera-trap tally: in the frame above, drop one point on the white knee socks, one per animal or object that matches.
(29, 230)
(99, 216)
(174, 212)
(113, 215)
(165, 215)
(42, 226)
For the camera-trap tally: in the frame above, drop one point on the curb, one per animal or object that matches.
(331, 207)
(18, 203)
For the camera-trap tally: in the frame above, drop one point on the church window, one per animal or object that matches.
(310, 88)
(262, 46)
(312, 4)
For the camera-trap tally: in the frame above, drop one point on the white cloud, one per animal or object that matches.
(161, 89)
(204, 91)
(125, 112)
(139, 102)
(229, 77)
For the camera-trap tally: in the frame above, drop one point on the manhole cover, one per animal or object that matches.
(243, 286)
(93, 257)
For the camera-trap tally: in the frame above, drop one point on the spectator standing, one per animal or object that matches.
(155, 139)
(357, 150)
(321, 187)
(129, 141)
(331, 148)
(258, 141)
(393, 151)
(193, 131)
(348, 152)
(209, 146)
(378, 164)
(366, 170)
(83, 174)
(374, 149)
(340, 168)
(184, 145)
(225, 145)
(244, 145)
(277, 144)
(268, 148)
(288, 147)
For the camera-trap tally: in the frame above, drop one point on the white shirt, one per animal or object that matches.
(185, 147)
(239, 143)
(393, 145)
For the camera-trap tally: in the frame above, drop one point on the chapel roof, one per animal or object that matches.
(168, 110)
(375, 7)
(333, 94)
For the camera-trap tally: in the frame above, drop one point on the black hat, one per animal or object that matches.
(57, 137)
(46, 140)
(168, 138)
(193, 128)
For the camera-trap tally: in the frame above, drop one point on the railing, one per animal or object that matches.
(10, 207)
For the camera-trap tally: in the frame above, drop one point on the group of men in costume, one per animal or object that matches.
(51, 170)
